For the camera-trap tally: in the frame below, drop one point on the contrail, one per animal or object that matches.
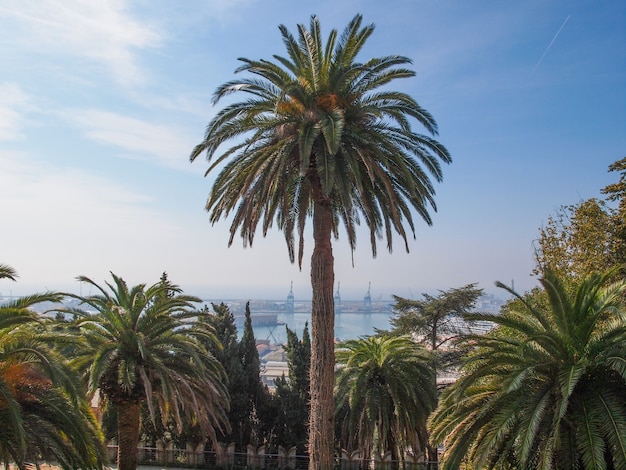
(552, 42)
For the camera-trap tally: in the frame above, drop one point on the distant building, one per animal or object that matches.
(489, 303)
(337, 300)
(274, 363)
(290, 304)
(273, 370)
(367, 300)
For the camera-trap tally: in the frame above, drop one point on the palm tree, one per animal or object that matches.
(320, 135)
(7, 272)
(144, 345)
(384, 392)
(546, 388)
(43, 409)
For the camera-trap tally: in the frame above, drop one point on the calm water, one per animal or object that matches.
(348, 325)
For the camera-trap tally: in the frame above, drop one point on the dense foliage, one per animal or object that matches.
(580, 239)
(292, 394)
(385, 391)
(144, 345)
(546, 388)
(436, 321)
(44, 412)
(588, 236)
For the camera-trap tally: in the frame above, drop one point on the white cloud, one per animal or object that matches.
(61, 222)
(102, 31)
(161, 143)
(46, 192)
(13, 102)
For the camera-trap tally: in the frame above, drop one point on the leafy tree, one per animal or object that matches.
(292, 394)
(319, 136)
(143, 345)
(586, 237)
(617, 191)
(545, 389)
(385, 392)
(580, 239)
(44, 412)
(435, 321)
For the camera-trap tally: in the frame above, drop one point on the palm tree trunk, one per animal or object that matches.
(127, 434)
(392, 446)
(433, 456)
(322, 371)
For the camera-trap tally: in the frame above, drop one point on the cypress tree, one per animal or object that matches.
(292, 394)
(249, 399)
(223, 323)
(251, 386)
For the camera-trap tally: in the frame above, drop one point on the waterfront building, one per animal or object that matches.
(337, 301)
(367, 300)
(290, 303)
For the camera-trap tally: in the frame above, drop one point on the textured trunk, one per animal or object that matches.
(395, 455)
(127, 434)
(321, 424)
(433, 457)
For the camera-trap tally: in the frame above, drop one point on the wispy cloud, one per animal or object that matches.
(162, 144)
(103, 31)
(13, 102)
(59, 212)
(469, 65)
(545, 52)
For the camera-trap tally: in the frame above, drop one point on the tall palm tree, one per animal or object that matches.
(145, 345)
(44, 412)
(320, 135)
(384, 392)
(546, 388)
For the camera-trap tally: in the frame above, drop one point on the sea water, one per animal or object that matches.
(348, 325)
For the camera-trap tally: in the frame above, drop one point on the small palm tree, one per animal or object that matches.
(384, 392)
(546, 388)
(43, 410)
(145, 345)
(319, 135)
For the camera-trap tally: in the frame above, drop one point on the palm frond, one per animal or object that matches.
(557, 368)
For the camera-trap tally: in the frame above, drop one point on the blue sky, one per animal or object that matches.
(102, 102)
